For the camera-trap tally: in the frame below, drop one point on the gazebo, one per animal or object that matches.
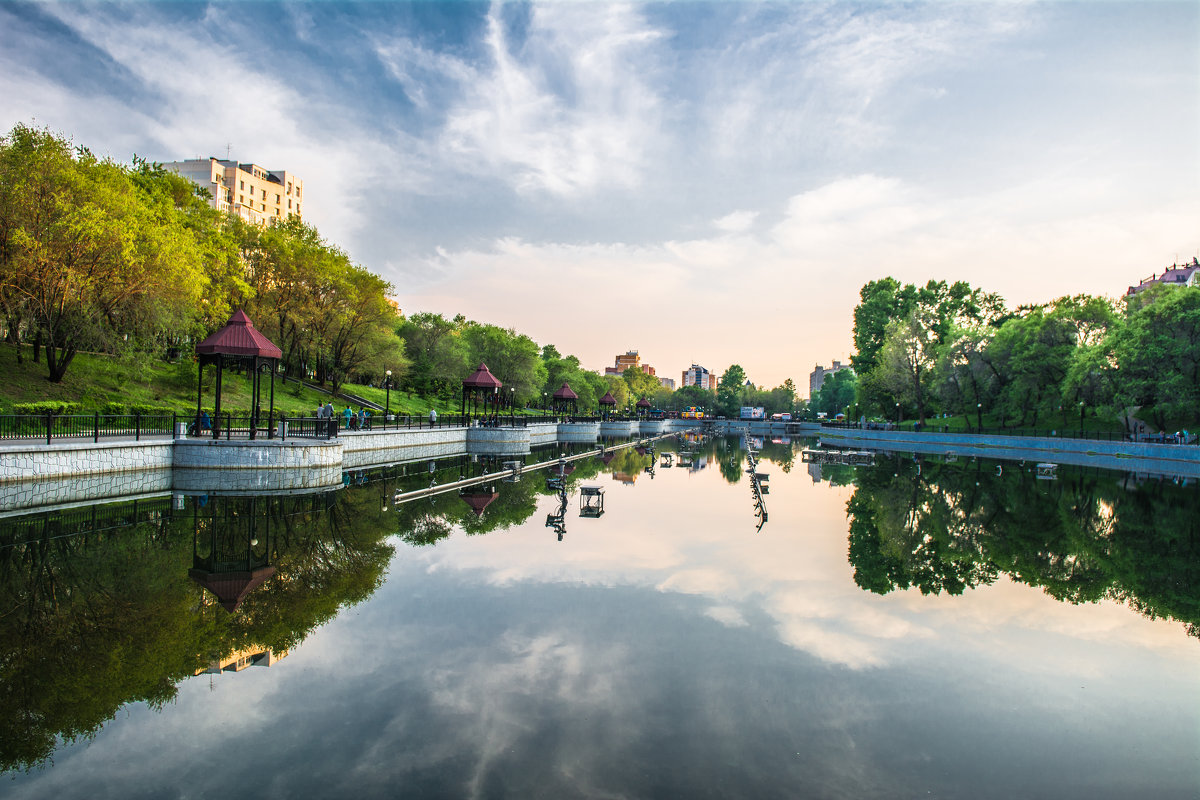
(643, 407)
(228, 558)
(481, 385)
(607, 402)
(564, 397)
(479, 498)
(239, 343)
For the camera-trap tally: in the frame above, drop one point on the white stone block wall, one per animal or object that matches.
(38, 461)
(259, 454)
(624, 428)
(498, 441)
(579, 432)
(33, 493)
(360, 448)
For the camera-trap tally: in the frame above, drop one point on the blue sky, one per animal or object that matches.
(701, 181)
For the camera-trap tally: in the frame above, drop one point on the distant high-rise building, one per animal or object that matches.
(624, 362)
(817, 376)
(696, 375)
(255, 194)
(668, 383)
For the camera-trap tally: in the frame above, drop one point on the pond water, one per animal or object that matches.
(908, 629)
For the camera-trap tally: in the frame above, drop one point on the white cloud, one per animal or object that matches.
(736, 221)
(567, 110)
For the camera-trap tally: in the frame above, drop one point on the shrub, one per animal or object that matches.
(47, 407)
(149, 411)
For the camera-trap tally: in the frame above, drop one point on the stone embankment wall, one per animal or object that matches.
(1131, 456)
(373, 447)
(26, 461)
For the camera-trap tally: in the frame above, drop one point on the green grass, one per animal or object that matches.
(95, 380)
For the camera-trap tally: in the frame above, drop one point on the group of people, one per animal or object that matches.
(355, 422)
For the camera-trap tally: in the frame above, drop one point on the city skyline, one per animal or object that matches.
(717, 179)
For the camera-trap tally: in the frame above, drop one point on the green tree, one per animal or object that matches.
(438, 352)
(1157, 352)
(730, 389)
(87, 257)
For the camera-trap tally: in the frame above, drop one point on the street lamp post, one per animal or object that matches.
(387, 397)
(979, 417)
(897, 415)
(543, 404)
(512, 404)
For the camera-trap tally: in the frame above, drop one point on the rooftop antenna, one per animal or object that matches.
(228, 147)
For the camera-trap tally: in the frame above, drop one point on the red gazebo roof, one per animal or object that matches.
(643, 403)
(239, 337)
(479, 501)
(482, 378)
(565, 393)
(231, 588)
(608, 399)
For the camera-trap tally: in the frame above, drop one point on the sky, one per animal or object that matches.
(704, 182)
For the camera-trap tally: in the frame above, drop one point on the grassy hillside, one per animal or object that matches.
(97, 380)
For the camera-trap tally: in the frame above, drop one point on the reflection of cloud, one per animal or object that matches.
(794, 572)
(728, 616)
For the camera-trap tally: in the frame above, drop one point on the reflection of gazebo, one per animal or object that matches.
(481, 385)
(228, 557)
(564, 397)
(239, 343)
(608, 402)
(479, 498)
(643, 406)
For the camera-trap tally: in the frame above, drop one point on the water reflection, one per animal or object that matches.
(1085, 536)
(113, 604)
(481, 645)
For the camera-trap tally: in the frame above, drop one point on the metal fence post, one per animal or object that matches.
(49, 423)
(137, 426)
(96, 427)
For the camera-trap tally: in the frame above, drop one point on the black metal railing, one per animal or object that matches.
(48, 427)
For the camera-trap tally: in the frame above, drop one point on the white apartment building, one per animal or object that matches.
(696, 375)
(255, 194)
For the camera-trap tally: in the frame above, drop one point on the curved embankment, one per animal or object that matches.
(1167, 459)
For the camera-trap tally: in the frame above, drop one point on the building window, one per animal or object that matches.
(242, 185)
(241, 198)
(297, 208)
(276, 199)
(289, 202)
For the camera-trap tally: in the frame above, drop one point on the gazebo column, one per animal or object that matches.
(216, 426)
(199, 394)
(271, 413)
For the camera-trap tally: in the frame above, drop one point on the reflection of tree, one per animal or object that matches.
(947, 527)
(783, 455)
(96, 620)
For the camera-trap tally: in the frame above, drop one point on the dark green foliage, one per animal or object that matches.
(47, 407)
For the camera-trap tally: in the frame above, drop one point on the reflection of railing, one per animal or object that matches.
(86, 520)
(83, 426)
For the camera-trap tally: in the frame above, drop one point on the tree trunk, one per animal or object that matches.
(37, 347)
(57, 363)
